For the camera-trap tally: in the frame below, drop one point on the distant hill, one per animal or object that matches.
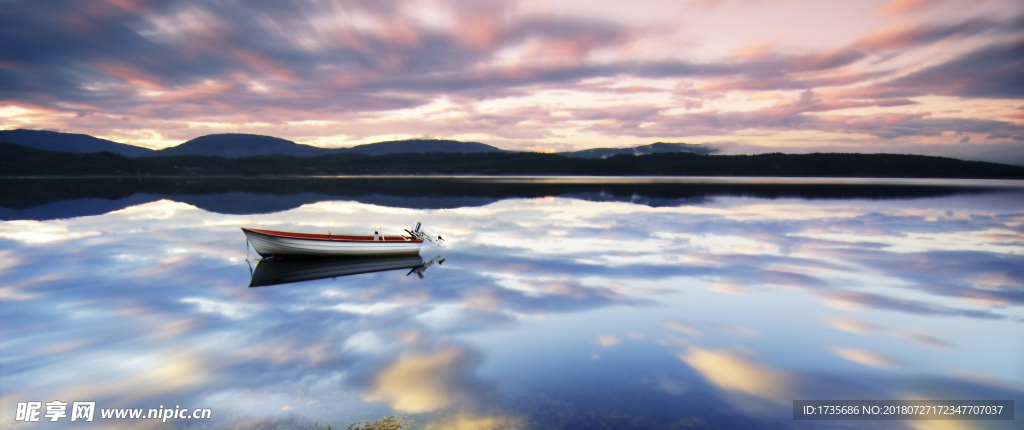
(420, 145)
(654, 148)
(234, 145)
(229, 145)
(69, 142)
(247, 145)
(241, 145)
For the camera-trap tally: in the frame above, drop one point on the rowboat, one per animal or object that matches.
(270, 272)
(270, 243)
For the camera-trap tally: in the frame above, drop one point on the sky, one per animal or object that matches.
(938, 77)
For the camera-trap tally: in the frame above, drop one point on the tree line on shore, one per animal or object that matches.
(16, 160)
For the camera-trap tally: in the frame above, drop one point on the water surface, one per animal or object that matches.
(560, 303)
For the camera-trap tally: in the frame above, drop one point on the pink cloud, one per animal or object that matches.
(574, 75)
(705, 4)
(901, 6)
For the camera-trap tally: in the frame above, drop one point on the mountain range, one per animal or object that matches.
(654, 148)
(69, 142)
(233, 145)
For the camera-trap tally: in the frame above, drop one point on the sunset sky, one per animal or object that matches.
(941, 77)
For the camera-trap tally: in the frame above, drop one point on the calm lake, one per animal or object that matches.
(581, 303)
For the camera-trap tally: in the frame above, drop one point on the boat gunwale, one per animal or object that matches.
(331, 237)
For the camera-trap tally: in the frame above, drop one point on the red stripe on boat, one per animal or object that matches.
(334, 237)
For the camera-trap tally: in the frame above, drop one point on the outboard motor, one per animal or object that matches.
(422, 235)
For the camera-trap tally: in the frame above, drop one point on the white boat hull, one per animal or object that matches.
(267, 243)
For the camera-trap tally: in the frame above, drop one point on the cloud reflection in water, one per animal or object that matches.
(682, 306)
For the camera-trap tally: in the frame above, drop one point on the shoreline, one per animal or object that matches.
(589, 179)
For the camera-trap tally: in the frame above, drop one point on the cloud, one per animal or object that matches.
(158, 73)
(734, 372)
(901, 6)
(736, 330)
(607, 340)
(990, 72)
(728, 288)
(794, 116)
(858, 326)
(425, 382)
(704, 4)
(473, 422)
(852, 325)
(866, 358)
(843, 299)
(680, 326)
(127, 282)
(901, 35)
(926, 340)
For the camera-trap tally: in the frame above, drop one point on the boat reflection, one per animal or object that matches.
(269, 272)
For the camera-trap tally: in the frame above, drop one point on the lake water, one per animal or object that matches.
(560, 303)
